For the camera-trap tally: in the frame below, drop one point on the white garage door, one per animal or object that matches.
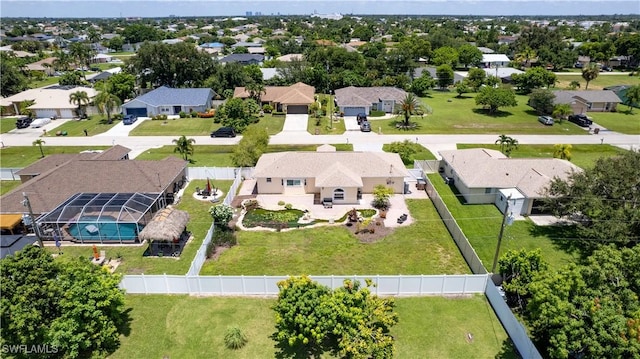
(46, 113)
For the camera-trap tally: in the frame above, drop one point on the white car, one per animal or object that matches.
(39, 122)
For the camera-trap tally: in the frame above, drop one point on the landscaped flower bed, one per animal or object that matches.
(259, 217)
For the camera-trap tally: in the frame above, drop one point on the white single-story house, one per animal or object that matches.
(588, 101)
(169, 101)
(341, 177)
(50, 101)
(488, 176)
(354, 100)
(495, 60)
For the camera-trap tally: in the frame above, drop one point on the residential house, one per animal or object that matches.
(503, 73)
(488, 176)
(50, 101)
(621, 91)
(101, 58)
(290, 57)
(341, 177)
(457, 75)
(170, 101)
(294, 99)
(243, 59)
(588, 101)
(44, 65)
(495, 60)
(354, 100)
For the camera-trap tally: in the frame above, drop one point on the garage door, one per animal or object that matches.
(46, 113)
(138, 112)
(66, 113)
(353, 111)
(297, 109)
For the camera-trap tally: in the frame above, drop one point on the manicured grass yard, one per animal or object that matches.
(461, 115)
(46, 81)
(7, 124)
(6, 186)
(95, 125)
(180, 326)
(481, 225)
(198, 126)
(337, 127)
(133, 261)
(424, 247)
(22, 156)
(622, 121)
(603, 80)
(584, 156)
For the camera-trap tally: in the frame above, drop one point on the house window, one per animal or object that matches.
(338, 194)
(268, 179)
(487, 190)
(294, 183)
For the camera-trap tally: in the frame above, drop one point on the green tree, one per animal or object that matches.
(445, 55)
(12, 80)
(590, 73)
(494, 98)
(561, 111)
(632, 97)
(72, 78)
(532, 79)
(81, 100)
(461, 88)
(73, 305)
(542, 101)
(406, 149)
(381, 195)
(518, 269)
(469, 55)
(256, 90)
(422, 84)
(562, 151)
(221, 214)
(476, 78)
(106, 101)
(525, 56)
(604, 200)
(507, 144)
(184, 146)
(138, 32)
(408, 106)
(445, 76)
(589, 310)
(115, 43)
(39, 142)
(122, 85)
(253, 144)
(574, 85)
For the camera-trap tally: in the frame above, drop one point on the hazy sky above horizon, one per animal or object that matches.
(162, 8)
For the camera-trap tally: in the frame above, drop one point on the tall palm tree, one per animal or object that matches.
(80, 99)
(561, 111)
(409, 105)
(184, 146)
(256, 90)
(526, 56)
(62, 61)
(590, 73)
(562, 152)
(39, 143)
(106, 101)
(507, 144)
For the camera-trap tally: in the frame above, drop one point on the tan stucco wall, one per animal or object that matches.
(264, 187)
(369, 183)
(350, 194)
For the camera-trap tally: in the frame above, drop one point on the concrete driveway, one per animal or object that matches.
(120, 129)
(297, 123)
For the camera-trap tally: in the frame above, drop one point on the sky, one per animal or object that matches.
(163, 8)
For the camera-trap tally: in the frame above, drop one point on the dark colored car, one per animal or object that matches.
(581, 120)
(365, 126)
(224, 132)
(129, 119)
(545, 120)
(23, 122)
(361, 117)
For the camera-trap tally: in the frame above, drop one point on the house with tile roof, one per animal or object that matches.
(50, 101)
(340, 176)
(170, 101)
(588, 100)
(294, 99)
(488, 176)
(354, 100)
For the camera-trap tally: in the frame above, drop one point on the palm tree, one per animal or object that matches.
(507, 144)
(409, 105)
(39, 143)
(106, 101)
(562, 152)
(590, 73)
(256, 90)
(526, 56)
(561, 111)
(574, 85)
(80, 99)
(184, 146)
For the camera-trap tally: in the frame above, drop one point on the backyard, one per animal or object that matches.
(424, 247)
(133, 262)
(95, 125)
(199, 126)
(22, 156)
(181, 326)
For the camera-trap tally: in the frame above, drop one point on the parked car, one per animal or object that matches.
(39, 122)
(578, 65)
(224, 132)
(365, 126)
(545, 120)
(606, 68)
(129, 119)
(361, 117)
(581, 120)
(23, 122)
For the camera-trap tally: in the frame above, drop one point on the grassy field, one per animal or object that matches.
(96, 124)
(180, 326)
(134, 263)
(481, 225)
(584, 156)
(424, 247)
(7, 124)
(22, 156)
(220, 155)
(198, 126)
(622, 121)
(6, 186)
(337, 127)
(603, 80)
(46, 81)
(461, 115)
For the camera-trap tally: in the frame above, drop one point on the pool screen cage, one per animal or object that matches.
(100, 217)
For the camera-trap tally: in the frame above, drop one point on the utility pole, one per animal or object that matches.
(504, 224)
(27, 204)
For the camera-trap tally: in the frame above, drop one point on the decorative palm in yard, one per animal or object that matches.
(409, 105)
(80, 99)
(562, 152)
(39, 143)
(106, 102)
(507, 144)
(561, 111)
(590, 73)
(184, 146)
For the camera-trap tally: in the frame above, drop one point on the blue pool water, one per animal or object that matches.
(109, 231)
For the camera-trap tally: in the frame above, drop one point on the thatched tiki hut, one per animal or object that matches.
(166, 227)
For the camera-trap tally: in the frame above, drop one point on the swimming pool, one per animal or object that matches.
(108, 231)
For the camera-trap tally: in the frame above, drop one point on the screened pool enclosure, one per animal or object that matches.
(101, 217)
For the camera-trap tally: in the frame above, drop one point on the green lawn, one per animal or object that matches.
(461, 115)
(600, 82)
(22, 156)
(336, 128)
(46, 81)
(6, 186)
(7, 124)
(622, 121)
(220, 155)
(179, 326)
(424, 247)
(422, 153)
(134, 263)
(96, 124)
(198, 126)
(584, 156)
(481, 225)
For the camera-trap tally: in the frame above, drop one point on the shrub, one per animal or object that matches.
(251, 204)
(375, 113)
(159, 117)
(206, 114)
(267, 108)
(288, 206)
(117, 117)
(224, 237)
(221, 213)
(280, 203)
(278, 113)
(193, 114)
(182, 114)
(234, 338)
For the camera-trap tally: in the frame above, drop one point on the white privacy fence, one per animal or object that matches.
(9, 174)
(218, 172)
(403, 285)
(428, 166)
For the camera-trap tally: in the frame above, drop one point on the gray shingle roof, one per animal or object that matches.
(364, 96)
(587, 95)
(242, 58)
(166, 96)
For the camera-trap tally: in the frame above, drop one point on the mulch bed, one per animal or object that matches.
(371, 233)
